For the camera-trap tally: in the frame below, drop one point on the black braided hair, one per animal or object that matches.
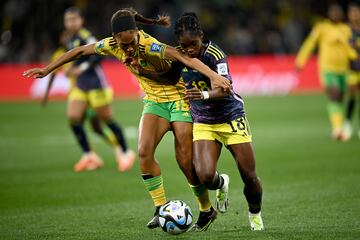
(188, 22)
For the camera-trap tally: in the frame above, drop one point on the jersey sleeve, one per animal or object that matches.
(156, 49)
(105, 46)
(308, 46)
(218, 62)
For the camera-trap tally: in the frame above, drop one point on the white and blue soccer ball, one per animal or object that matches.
(175, 217)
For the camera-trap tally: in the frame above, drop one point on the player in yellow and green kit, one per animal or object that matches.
(332, 37)
(164, 106)
(354, 76)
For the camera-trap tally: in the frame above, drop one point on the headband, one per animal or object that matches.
(122, 24)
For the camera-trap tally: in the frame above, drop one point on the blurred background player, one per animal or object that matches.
(164, 108)
(90, 114)
(332, 37)
(354, 75)
(90, 90)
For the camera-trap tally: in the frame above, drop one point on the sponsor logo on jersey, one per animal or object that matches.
(222, 69)
(155, 47)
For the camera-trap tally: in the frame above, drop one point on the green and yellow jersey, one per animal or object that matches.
(335, 51)
(150, 57)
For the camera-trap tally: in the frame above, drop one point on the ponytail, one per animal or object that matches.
(162, 20)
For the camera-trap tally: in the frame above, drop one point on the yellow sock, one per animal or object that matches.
(336, 115)
(156, 188)
(110, 137)
(202, 196)
(336, 120)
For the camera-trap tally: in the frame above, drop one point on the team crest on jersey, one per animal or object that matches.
(143, 63)
(101, 44)
(155, 47)
(222, 69)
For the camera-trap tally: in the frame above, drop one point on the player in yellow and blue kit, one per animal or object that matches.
(354, 76)
(90, 90)
(164, 109)
(335, 52)
(90, 114)
(219, 118)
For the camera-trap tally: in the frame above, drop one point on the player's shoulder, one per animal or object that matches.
(106, 45)
(146, 39)
(213, 51)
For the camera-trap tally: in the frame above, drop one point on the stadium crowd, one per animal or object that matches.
(30, 27)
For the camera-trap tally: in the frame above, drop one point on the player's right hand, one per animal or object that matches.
(36, 73)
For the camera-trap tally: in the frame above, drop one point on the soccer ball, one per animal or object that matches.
(175, 217)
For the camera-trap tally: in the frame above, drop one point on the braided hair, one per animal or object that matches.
(162, 20)
(188, 22)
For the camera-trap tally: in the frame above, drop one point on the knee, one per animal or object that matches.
(206, 178)
(73, 118)
(145, 152)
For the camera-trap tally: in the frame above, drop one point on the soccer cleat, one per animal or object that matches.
(222, 200)
(337, 135)
(346, 131)
(154, 222)
(126, 160)
(88, 162)
(256, 222)
(204, 221)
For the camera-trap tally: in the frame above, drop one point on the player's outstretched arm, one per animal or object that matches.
(65, 58)
(196, 94)
(194, 63)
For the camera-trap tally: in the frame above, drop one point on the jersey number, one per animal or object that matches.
(182, 105)
(240, 124)
(200, 85)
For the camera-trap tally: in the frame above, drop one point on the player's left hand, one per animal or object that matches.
(194, 94)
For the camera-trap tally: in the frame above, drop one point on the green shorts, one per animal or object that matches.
(177, 111)
(333, 79)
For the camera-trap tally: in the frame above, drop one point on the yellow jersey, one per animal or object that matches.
(335, 51)
(150, 57)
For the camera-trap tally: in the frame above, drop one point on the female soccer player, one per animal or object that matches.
(164, 108)
(90, 114)
(90, 90)
(219, 118)
(335, 52)
(354, 76)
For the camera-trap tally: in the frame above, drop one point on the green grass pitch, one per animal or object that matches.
(311, 183)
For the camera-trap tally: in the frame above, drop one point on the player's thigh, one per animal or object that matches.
(100, 100)
(183, 137)
(151, 130)
(335, 85)
(77, 104)
(245, 159)
(205, 157)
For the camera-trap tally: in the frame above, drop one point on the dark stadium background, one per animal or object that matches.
(30, 28)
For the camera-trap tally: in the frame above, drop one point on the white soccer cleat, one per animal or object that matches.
(222, 200)
(256, 222)
(347, 131)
